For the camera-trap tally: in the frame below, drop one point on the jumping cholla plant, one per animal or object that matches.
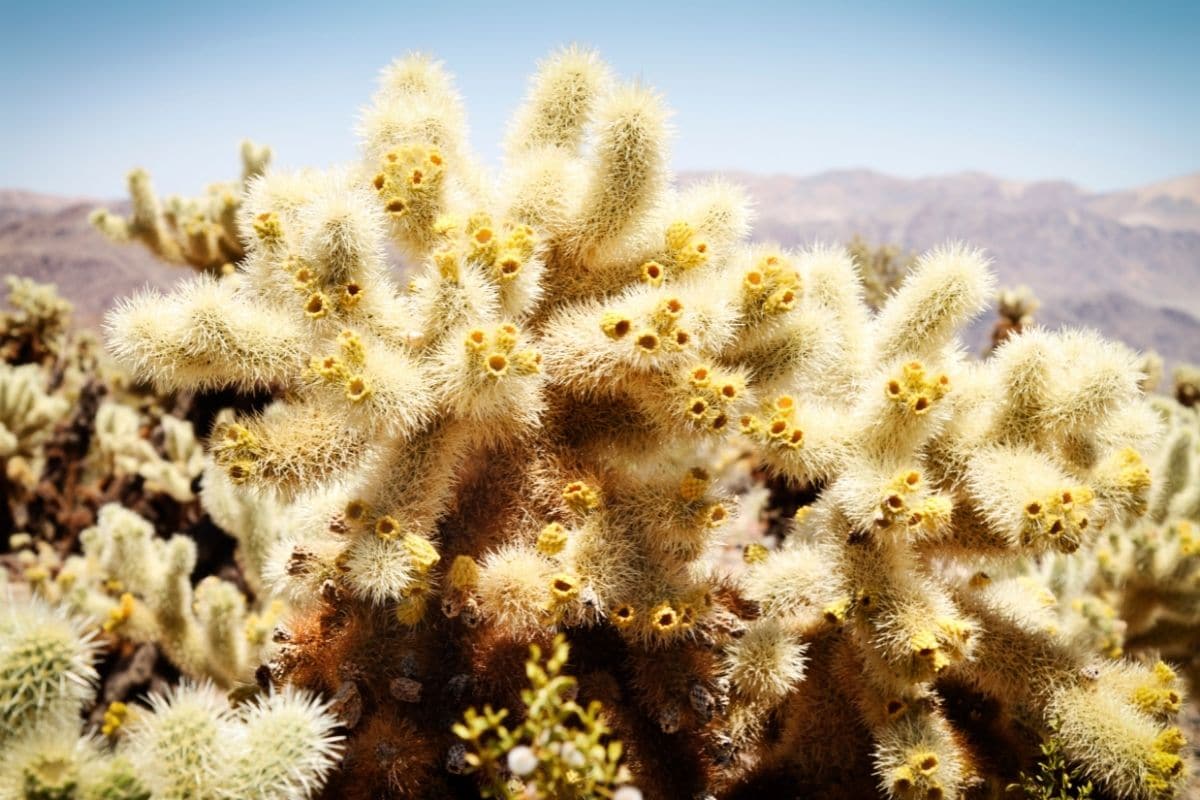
(1015, 309)
(74, 435)
(1139, 589)
(521, 442)
(882, 269)
(188, 744)
(1187, 384)
(200, 232)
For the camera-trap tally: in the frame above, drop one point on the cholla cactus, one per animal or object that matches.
(385, 395)
(28, 414)
(1140, 589)
(1187, 384)
(140, 587)
(940, 465)
(36, 329)
(46, 672)
(1015, 309)
(882, 269)
(519, 443)
(201, 232)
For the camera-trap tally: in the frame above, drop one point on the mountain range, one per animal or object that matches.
(1126, 262)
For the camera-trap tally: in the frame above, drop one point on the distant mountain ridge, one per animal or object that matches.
(48, 238)
(1127, 262)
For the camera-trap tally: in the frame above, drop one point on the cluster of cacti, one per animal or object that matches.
(200, 232)
(73, 438)
(40, 376)
(139, 586)
(1139, 590)
(521, 442)
(1014, 310)
(75, 435)
(188, 743)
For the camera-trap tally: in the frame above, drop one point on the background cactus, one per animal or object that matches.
(1015, 309)
(35, 329)
(882, 268)
(28, 414)
(200, 232)
(188, 744)
(1138, 590)
(1187, 384)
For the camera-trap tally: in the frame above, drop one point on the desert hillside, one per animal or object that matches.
(1125, 262)
(48, 238)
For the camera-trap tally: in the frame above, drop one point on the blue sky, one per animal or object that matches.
(1105, 94)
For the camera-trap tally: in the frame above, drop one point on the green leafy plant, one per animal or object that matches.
(560, 750)
(1052, 779)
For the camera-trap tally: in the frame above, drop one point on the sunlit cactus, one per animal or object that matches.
(200, 232)
(46, 667)
(1139, 589)
(35, 329)
(140, 588)
(523, 441)
(1015, 309)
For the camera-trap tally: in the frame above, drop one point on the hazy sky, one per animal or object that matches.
(1105, 94)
